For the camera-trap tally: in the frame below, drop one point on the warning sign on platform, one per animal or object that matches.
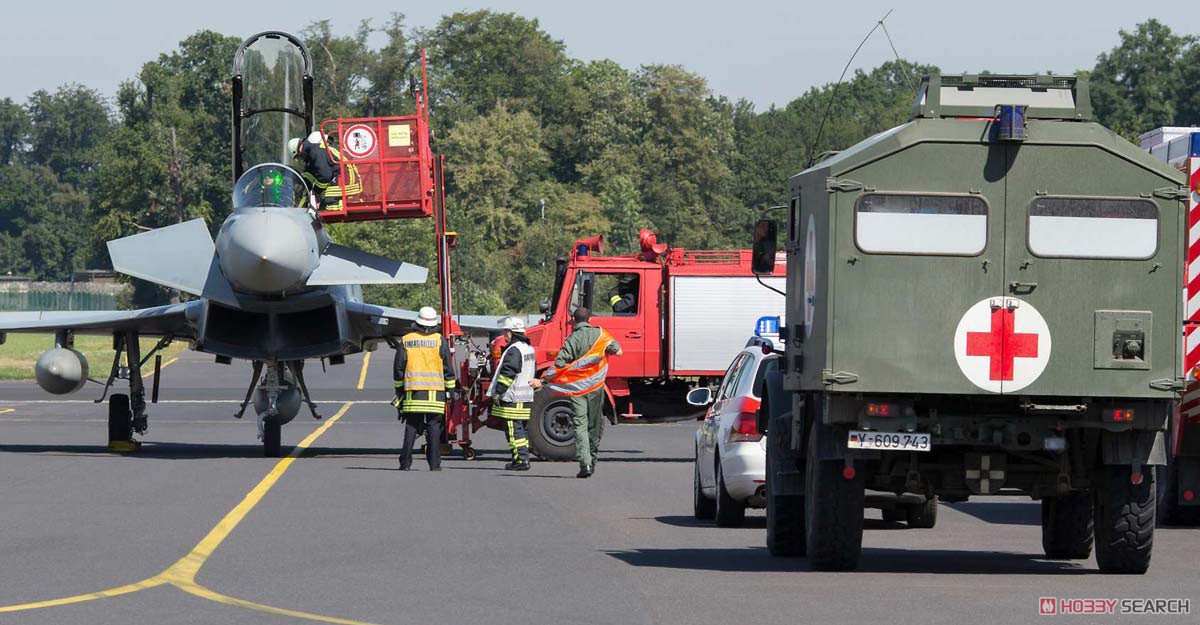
(359, 141)
(399, 136)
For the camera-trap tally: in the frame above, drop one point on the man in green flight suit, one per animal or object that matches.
(579, 372)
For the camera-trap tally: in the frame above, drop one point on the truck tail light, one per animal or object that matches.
(745, 427)
(1118, 415)
(883, 410)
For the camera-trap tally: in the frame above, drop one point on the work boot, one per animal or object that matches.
(517, 465)
(585, 472)
(435, 468)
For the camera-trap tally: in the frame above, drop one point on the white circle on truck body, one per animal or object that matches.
(1002, 344)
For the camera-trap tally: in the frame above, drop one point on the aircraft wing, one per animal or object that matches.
(157, 321)
(384, 321)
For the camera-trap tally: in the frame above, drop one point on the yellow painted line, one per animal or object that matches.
(163, 366)
(182, 574)
(185, 569)
(103, 594)
(7, 410)
(362, 375)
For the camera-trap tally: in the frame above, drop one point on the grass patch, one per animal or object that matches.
(19, 353)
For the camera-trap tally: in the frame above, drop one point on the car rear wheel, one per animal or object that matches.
(702, 507)
(922, 515)
(730, 512)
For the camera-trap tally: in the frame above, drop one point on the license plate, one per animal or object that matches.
(889, 441)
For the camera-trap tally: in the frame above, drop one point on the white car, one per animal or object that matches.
(731, 454)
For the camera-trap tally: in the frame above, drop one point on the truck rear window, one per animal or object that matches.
(910, 223)
(1092, 227)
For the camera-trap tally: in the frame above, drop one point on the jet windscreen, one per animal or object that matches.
(270, 184)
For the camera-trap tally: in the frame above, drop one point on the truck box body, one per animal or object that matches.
(710, 318)
(1074, 222)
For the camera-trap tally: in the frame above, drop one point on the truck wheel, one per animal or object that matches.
(551, 435)
(1124, 517)
(730, 512)
(120, 419)
(1166, 478)
(922, 515)
(702, 507)
(834, 511)
(785, 513)
(895, 514)
(1067, 526)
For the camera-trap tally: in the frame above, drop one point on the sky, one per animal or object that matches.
(766, 51)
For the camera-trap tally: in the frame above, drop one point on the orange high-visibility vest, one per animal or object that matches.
(585, 374)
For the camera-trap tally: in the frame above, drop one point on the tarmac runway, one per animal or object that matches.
(198, 527)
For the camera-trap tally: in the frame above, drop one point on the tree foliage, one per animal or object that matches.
(541, 148)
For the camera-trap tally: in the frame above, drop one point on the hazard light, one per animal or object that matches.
(883, 410)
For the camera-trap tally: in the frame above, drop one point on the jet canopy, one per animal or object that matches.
(270, 184)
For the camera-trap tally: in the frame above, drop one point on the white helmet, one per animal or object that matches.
(513, 324)
(293, 146)
(427, 317)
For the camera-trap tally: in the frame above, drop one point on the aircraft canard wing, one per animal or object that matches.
(346, 265)
(181, 256)
(157, 321)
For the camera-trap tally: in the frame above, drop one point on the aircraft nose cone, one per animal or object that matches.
(267, 252)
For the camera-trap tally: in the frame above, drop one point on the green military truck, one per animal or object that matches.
(982, 301)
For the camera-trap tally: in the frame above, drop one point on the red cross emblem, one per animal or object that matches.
(1002, 345)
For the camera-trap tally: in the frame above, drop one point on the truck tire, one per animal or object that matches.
(1068, 523)
(785, 513)
(551, 436)
(834, 511)
(730, 512)
(922, 515)
(1124, 518)
(120, 419)
(702, 507)
(895, 514)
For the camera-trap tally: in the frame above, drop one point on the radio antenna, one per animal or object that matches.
(833, 96)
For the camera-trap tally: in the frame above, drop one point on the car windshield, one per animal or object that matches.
(270, 184)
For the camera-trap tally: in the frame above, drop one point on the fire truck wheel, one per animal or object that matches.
(730, 512)
(1124, 517)
(785, 513)
(834, 510)
(551, 436)
(922, 515)
(702, 507)
(1067, 526)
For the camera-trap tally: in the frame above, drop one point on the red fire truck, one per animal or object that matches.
(680, 316)
(1179, 482)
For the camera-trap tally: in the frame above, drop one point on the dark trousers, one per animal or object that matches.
(518, 441)
(415, 424)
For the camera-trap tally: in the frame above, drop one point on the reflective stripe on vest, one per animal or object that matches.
(519, 390)
(423, 371)
(586, 374)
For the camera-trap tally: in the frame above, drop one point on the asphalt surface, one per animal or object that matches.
(197, 527)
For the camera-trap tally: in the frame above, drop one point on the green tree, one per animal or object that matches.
(1136, 85)
(14, 130)
(66, 126)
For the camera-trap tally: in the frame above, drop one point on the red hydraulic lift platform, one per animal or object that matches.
(387, 170)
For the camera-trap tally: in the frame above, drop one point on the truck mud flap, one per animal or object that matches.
(1133, 447)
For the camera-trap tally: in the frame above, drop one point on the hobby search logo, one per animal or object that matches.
(1060, 606)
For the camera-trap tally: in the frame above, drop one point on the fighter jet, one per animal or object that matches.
(273, 288)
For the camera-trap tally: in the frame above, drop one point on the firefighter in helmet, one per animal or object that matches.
(512, 390)
(623, 298)
(320, 169)
(423, 375)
